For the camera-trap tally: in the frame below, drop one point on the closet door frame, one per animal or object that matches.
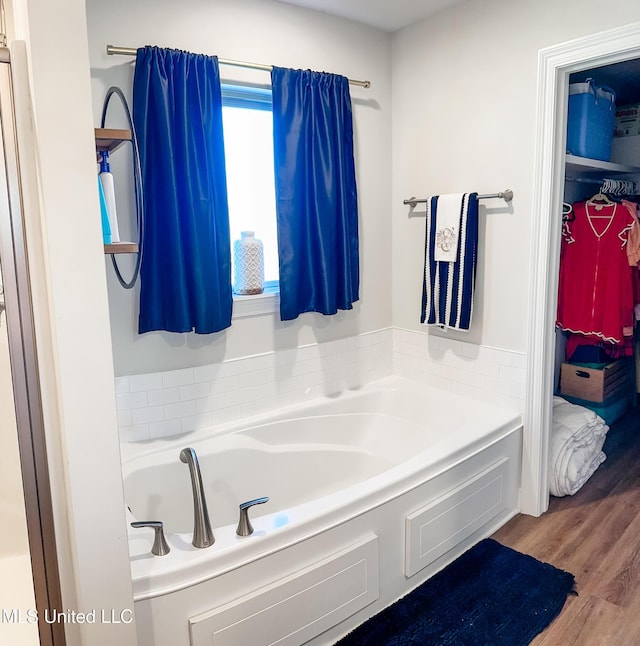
(555, 64)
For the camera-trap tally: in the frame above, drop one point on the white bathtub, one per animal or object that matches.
(368, 470)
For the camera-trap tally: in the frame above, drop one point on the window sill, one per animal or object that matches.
(266, 303)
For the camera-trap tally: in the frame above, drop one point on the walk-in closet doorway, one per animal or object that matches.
(555, 64)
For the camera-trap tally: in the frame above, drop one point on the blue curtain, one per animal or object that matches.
(185, 274)
(316, 196)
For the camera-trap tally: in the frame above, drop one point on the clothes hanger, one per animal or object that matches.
(599, 200)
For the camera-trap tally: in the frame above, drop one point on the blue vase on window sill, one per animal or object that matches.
(248, 259)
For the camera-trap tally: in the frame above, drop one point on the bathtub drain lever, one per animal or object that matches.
(244, 524)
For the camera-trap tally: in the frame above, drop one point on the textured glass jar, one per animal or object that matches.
(248, 259)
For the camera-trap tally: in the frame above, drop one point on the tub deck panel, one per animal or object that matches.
(439, 526)
(295, 609)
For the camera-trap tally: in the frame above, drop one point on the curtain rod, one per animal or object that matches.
(130, 51)
(506, 195)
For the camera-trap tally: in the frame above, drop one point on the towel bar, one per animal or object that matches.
(506, 195)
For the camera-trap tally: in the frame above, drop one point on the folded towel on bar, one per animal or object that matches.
(575, 446)
(447, 290)
(448, 214)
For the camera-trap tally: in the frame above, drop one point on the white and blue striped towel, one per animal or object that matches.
(448, 286)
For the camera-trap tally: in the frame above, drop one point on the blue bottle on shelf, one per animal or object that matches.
(106, 227)
(106, 179)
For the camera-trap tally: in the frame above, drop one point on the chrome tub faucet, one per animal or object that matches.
(202, 532)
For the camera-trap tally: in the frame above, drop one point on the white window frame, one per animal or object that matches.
(258, 98)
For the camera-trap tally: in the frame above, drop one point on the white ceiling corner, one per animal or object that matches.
(389, 15)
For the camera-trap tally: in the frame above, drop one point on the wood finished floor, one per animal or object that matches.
(595, 535)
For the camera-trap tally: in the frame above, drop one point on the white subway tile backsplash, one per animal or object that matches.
(333, 348)
(208, 373)
(511, 374)
(287, 385)
(430, 367)
(182, 409)
(498, 356)
(251, 364)
(139, 383)
(211, 403)
(255, 378)
(180, 401)
(489, 369)
(129, 401)
(166, 428)
(452, 346)
(173, 378)
(519, 361)
(306, 367)
(194, 391)
(147, 415)
(353, 343)
(490, 374)
(309, 352)
(472, 351)
(124, 418)
(518, 390)
(286, 357)
(122, 385)
(313, 378)
(164, 396)
(224, 385)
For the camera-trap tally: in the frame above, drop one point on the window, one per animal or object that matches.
(248, 143)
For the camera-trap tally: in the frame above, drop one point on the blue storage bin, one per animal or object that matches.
(591, 120)
(611, 410)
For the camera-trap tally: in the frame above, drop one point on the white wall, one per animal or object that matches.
(71, 317)
(265, 32)
(464, 118)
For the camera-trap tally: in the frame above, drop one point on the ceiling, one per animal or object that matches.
(389, 15)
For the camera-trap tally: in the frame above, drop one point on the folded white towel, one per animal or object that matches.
(575, 448)
(448, 215)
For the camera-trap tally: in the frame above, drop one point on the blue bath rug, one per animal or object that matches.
(490, 596)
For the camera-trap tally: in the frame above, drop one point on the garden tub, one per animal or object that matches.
(332, 464)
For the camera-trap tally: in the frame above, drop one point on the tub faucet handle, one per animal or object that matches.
(160, 545)
(244, 525)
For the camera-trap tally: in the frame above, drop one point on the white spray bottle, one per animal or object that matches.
(106, 179)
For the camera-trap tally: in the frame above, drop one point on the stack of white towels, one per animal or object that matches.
(575, 449)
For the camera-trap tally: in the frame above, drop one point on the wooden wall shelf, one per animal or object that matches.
(121, 247)
(111, 138)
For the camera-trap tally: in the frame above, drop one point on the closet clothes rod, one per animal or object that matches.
(506, 195)
(130, 51)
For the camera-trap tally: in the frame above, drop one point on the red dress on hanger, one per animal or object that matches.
(595, 294)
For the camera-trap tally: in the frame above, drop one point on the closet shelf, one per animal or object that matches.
(584, 167)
